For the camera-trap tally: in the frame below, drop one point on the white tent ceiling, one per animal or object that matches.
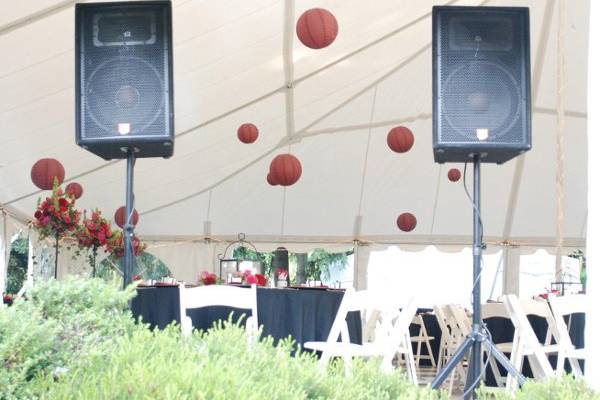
(239, 61)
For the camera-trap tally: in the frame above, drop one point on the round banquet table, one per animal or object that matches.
(302, 314)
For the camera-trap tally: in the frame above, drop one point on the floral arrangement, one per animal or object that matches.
(253, 279)
(116, 246)
(94, 232)
(208, 278)
(56, 216)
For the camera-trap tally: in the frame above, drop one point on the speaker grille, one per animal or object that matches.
(481, 95)
(125, 90)
(481, 83)
(125, 78)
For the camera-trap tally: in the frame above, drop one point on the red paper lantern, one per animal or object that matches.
(271, 180)
(406, 222)
(120, 217)
(454, 175)
(400, 139)
(74, 189)
(45, 170)
(285, 169)
(317, 28)
(247, 133)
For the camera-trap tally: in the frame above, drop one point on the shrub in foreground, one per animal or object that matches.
(218, 365)
(565, 388)
(59, 325)
(77, 340)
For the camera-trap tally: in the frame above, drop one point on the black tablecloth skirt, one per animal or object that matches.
(304, 315)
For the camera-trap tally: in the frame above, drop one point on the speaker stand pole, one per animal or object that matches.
(478, 336)
(128, 227)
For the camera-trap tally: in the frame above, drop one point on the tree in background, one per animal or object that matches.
(321, 262)
(17, 265)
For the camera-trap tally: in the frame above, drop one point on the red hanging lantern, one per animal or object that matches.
(271, 180)
(285, 169)
(74, 189)
(454, 175)
(400, 139)
(406, 222)
(120, 217)
(247, 133)
(45, 170)
(317, 28)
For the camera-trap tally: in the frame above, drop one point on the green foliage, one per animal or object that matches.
(17, 265)
(565, 388)
(146, 265)
(219, 365)
(319, 262)
(58, 326)
(77, 340)
(247, 254)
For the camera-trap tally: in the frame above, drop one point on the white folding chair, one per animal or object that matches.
(219, 295)
(459, 324)
(526, 343)
(388, 337)
(445, 338)
(497, 310)
(561, 307)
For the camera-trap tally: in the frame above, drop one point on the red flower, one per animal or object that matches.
(137, 278)
(261, 279)
(251, 279)
(208, 278)
(38, 214)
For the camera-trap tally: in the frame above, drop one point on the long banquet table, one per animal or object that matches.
(303, 314)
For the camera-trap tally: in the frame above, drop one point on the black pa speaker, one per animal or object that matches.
(124, 78)
(481, 83)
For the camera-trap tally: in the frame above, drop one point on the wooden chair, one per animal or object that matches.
(422, 338)
(388, 337)
(561, 307)
(219, 295)
(460, 326)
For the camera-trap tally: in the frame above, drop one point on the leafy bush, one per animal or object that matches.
(59, 325)
(218, 365)
(565, 388)
(77, 340)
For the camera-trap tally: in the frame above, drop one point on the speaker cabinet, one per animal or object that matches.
(481, 83)
(124, 78)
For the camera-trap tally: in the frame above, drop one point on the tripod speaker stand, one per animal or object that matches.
(479, 336)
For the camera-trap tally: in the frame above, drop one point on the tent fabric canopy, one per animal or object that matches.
(240, 61)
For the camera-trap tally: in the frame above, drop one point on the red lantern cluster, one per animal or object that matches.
(45, 170)
(247, 133)
(400, 139)
(74, 189)
(317, 28)
(120, 217)
(406, 222)
(454, 175)
(285, 170)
